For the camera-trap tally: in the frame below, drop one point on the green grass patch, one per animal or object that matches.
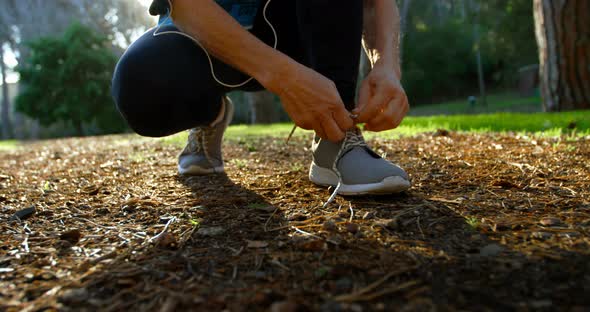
(8, 145)
(539, 124)
(502, 122)
(496, 103)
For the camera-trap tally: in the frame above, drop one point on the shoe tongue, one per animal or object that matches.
(366, 149)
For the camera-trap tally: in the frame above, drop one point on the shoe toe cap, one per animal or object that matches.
(359, 167)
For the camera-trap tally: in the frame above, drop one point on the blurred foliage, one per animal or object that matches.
(439, 62)
(441, 40)
(67, 79)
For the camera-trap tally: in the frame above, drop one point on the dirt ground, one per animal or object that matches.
(492, 222)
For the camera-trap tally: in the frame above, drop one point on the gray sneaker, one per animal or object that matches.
(202, 154)
(357, 168)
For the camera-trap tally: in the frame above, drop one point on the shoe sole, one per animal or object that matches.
(327, 177)
(196, 170)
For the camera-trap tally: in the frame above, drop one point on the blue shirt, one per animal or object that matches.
(244, 11)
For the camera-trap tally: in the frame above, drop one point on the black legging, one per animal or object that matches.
(163, 85)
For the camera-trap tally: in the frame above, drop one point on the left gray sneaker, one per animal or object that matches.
(355, 167)
(202, 154)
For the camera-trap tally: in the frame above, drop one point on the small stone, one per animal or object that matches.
(352, 227)
(63, 244)
(541, 235)
(72, 236)
(102, 211)
(23, 214)
(548, 221)
(491, 250)
(344, 214)
(369, 215)
(538, 150)
(330, 226)
(211, 231)
(311, 244)
(441, 132)
(71, 296)
(256, 244)
(284, 306)
(391, 224)
(166, 240)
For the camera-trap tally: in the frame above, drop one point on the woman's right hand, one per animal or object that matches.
(312, 101)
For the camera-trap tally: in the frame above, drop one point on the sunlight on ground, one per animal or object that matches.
(8, 145)
(571, 124)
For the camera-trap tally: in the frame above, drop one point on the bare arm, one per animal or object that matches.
(311, 100)
(382, 33)
(224, 38)
(382, 100)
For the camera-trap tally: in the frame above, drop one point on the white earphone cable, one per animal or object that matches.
(168, 32)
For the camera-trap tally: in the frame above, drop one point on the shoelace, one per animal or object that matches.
(194, 137)
(198, 141)
(353, 139)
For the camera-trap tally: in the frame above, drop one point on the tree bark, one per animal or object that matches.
(5, 117)
(563, 36)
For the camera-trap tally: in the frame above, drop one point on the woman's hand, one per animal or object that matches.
(383, 103)
(313, 102)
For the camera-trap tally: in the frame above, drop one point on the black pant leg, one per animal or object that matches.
(331, 32)
(163, 85)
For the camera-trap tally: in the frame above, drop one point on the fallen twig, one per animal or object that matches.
(360, 294)
(164, 230)
(269, 218)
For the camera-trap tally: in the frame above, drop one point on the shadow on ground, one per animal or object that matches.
(492, 223)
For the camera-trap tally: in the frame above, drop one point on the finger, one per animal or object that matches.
(385, 120)
(364, 96)
(377, 101)
(319, 131)
(332, 130)
(342, 118)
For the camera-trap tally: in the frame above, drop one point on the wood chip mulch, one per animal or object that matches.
(492, 222)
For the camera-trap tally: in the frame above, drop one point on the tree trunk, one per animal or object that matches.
(403, 26)
(79, 127)
(263, 106)
(5, 117)
(563, 36)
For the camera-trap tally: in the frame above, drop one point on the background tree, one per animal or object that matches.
(22, 21)
(440, 56)
(5, 119)
(68, 79)
(563, 35)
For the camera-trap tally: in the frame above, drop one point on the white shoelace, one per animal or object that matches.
(353, 139)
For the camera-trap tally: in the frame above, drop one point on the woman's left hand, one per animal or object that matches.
(383, 103)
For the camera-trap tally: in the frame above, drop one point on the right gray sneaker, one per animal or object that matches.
(202, 154)
(354, 168)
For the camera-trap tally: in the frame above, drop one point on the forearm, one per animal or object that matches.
(382, 33)
(227, 40)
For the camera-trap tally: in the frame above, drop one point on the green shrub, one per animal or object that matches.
(439, 62)
(67, 79)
